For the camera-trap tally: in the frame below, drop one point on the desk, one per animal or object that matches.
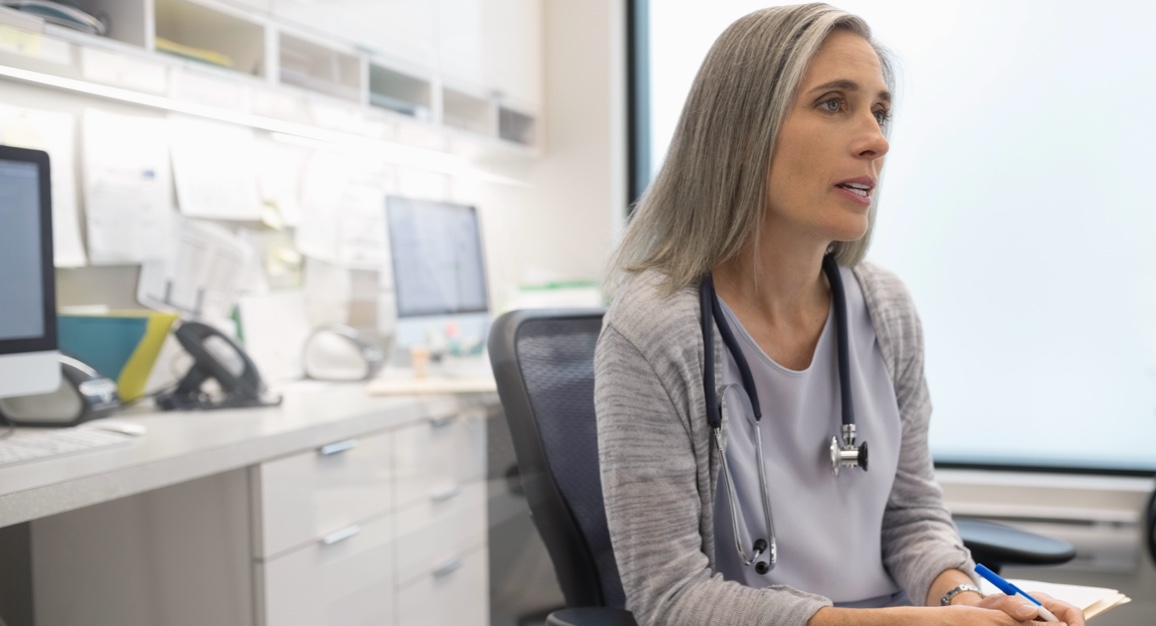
(236, 517)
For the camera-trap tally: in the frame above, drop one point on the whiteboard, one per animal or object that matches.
(1018, 204)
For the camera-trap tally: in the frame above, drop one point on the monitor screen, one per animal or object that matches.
(26, 283)
(438, 266)
(28, 357)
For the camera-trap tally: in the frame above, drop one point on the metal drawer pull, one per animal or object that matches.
(337, 447)
(448, 568)
(341, 535)
(440, 422)
(445, 494)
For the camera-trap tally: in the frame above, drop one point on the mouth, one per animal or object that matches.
(858, 189)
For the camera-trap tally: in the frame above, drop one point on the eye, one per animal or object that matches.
(832, 105)
(883, 116)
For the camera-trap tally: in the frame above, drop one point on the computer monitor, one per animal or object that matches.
(439, 272)
(29, 360)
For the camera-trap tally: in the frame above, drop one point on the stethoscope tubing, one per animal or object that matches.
(712, 315)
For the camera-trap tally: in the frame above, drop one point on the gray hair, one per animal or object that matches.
(708, 199)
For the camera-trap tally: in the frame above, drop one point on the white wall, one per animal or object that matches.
(563, 226)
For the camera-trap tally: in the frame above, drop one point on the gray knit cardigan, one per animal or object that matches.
(659, 468)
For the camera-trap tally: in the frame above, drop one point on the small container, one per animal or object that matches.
(419, 361)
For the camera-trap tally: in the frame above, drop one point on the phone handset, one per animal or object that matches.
(216, 357)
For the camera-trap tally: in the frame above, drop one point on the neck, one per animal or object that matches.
(780, 279)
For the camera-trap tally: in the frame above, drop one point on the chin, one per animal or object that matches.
(850, 231)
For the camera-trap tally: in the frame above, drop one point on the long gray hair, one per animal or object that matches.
(708, 199)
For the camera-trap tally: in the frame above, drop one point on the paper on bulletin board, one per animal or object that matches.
(202, 276)
(214, 168)
(343, 212)
(280, 168)
(127, 187)
(51, 132)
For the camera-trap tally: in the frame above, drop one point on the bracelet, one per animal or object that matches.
(956, 590)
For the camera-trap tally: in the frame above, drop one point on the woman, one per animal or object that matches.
(768, 194)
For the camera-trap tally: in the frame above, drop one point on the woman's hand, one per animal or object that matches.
(1022, 609)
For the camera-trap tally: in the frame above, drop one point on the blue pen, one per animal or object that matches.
(1012, 590)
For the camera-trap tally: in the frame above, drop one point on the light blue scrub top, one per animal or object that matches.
(828, 528)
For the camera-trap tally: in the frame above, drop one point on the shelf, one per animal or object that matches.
(467, 112)
(194, 31)
(400, 93)
(318, 68)
(228, 60)
(516, 126)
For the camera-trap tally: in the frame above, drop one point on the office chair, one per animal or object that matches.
(996, 545)
(543, 363)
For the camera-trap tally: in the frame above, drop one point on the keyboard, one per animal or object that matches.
(27, 444)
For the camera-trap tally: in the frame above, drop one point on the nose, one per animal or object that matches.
(870, 143)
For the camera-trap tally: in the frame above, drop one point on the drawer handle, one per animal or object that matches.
(445, 494)
(341, 535)
(437, 423)
(337, 447)
(448, 568)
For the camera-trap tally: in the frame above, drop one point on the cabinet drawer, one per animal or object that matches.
(437, 454)
(457, 593)
(437, 531)
(346, 582)
(305, 496)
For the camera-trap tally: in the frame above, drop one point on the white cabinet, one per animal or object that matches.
(436, 533)
(456, 65)
(513, 52)
(342, 581)
(309, 495)
(459, 41)
(403, 32)
(345, 532)
(210, 33)
(272, 516)
(494, 45)
(448, 595)
(436, 458)
(440, 523)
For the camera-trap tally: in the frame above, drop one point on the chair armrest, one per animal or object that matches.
(591, 616)
(996, 545)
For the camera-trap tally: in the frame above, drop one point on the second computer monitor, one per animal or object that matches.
(439, 271)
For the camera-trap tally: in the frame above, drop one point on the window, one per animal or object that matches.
(1016, 205)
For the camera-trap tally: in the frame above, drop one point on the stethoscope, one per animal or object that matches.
(844, 453)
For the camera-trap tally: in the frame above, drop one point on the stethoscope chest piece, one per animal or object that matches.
(848, 454)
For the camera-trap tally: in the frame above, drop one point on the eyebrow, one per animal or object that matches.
(850, 85)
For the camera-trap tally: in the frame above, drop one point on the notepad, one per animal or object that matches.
(1092, 600)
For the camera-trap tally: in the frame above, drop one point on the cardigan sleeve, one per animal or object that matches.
(651, 473)
(920, 539)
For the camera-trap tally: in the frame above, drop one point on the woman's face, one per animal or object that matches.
(830, 149)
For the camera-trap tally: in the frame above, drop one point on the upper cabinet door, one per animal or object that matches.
(397, 30)
(494, 46)
(460, 51)
(513, 51)
(482, 47)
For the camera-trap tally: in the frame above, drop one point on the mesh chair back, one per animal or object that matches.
(544, 365)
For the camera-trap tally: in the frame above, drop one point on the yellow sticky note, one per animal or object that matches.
(21, 41)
